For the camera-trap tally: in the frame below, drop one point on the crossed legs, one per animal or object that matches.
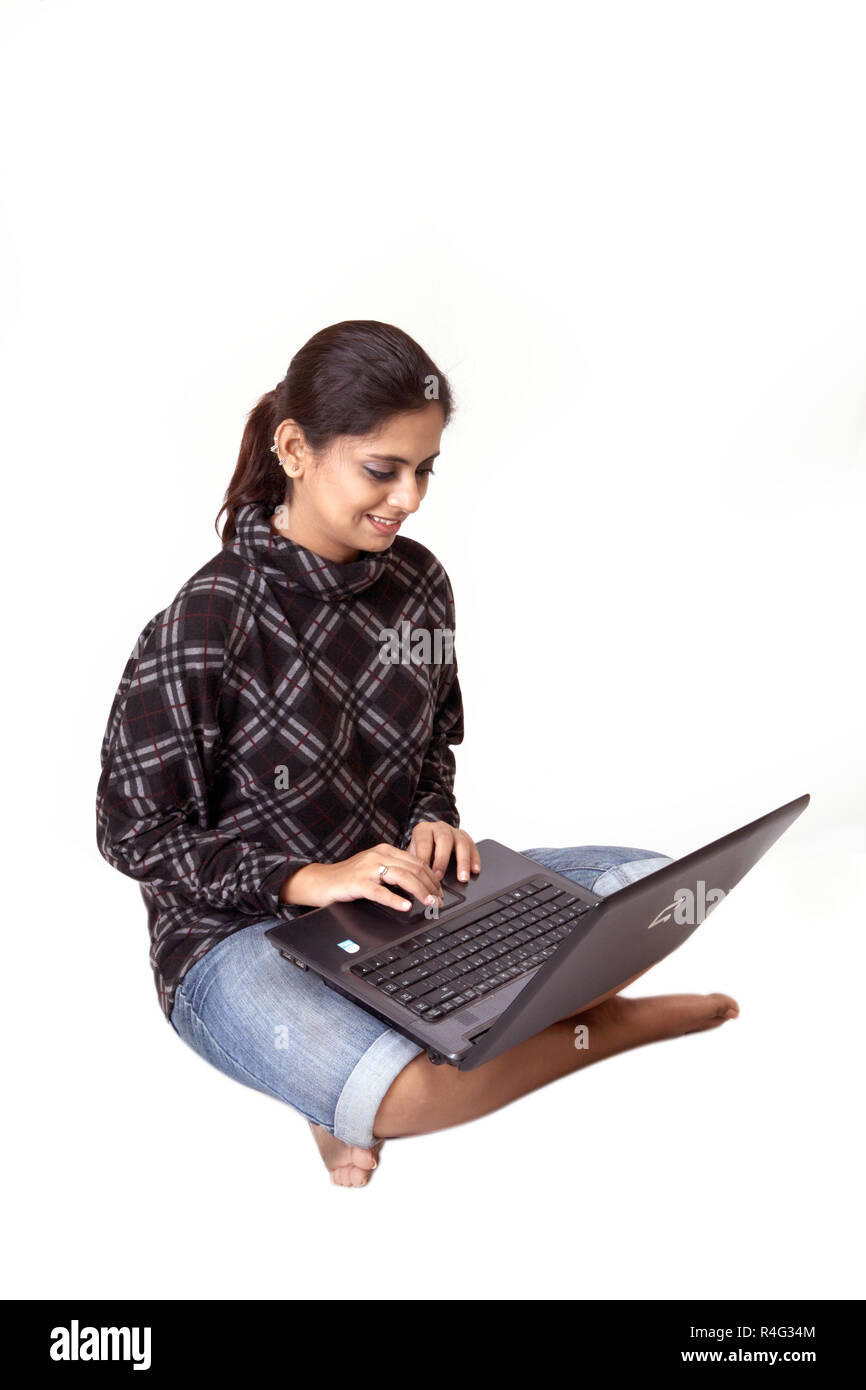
(424, 1098)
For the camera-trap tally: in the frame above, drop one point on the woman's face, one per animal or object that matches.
(337, 494)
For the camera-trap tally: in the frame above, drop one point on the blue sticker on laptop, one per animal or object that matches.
(350, 946)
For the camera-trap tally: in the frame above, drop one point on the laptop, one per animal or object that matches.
(517, 947)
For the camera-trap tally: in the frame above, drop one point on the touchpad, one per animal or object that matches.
(449, 899)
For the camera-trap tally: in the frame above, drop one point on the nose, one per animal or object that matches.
(404, 496)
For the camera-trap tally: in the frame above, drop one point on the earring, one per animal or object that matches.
(281, 462)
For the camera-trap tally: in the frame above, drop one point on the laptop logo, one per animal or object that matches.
(689, 909)
(350, 946)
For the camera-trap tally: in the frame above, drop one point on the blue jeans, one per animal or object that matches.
(283, 1032)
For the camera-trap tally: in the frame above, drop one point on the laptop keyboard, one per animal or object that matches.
(442, 968)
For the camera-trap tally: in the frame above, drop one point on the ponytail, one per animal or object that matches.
(259, 475)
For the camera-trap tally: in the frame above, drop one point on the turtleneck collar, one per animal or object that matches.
(281, 558)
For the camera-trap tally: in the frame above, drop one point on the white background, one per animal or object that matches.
(633, 237)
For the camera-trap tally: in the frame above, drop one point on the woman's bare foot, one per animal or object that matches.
(349, 1165)
(625, 1022)
(423, 1098)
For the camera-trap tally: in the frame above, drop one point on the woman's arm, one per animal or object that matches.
(158, 761)
(434, 798)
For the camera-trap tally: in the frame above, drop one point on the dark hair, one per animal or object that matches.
(348, 379)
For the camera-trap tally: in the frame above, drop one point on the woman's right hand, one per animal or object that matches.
(319, 885)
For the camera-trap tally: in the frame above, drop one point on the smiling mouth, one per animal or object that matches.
(385, 520)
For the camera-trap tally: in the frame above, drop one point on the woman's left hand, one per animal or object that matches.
(433, 841)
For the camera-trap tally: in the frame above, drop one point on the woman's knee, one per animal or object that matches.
(601, 868)
(627, 867)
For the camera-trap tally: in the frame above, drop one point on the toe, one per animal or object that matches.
(363, 1158)
(724, 1006)
(350, 1175)
(719, 1009)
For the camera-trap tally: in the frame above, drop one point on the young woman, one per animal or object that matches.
(262, 759)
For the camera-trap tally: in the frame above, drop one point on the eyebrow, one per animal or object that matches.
(395, 458)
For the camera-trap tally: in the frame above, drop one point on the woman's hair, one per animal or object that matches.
(348, 379)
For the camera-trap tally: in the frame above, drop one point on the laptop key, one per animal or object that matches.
(440, 995)
(411, 976)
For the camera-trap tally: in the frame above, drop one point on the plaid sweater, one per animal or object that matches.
(257, 729)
